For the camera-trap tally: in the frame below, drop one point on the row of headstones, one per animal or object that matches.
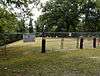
(81, 43)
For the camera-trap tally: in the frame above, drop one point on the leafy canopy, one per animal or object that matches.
(66, 15)
(8, 21)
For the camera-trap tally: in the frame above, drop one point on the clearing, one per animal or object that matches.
(26, 59)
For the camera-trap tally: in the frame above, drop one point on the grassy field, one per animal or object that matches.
(26, 59)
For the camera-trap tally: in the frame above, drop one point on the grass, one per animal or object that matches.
(26, 59)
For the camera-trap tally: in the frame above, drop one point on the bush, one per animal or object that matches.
(9, 38)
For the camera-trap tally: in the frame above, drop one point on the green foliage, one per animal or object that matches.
(21, 27)
(98, 3)
(60, 14)
(8, 21)
(30, 26)
(67, 14)
(92, 16)
(9, 24)
(24, 7)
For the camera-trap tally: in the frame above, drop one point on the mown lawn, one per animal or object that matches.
(27, 60)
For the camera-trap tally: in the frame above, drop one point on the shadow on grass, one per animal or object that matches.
(18, 51)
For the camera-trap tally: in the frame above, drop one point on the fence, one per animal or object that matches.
(71, 40)
(49, 41)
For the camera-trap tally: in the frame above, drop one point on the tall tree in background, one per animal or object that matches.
(30, 26)
(91, 16)
(21, 27)
(58, 14)
(68, 14)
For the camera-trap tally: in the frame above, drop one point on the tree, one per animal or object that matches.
(58, 14)
(91, 16)
(8, 24)
(30, 26)
(20, 8)
(21, 28)
(8, 21)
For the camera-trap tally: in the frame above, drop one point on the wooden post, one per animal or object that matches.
(62, 41)
(81, 42)
(43, 45)
(94, 42)
(77, 45)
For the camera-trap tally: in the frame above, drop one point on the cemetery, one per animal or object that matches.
(49, 38)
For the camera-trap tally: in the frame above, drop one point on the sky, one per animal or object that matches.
(43, 1)
(35, 11)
